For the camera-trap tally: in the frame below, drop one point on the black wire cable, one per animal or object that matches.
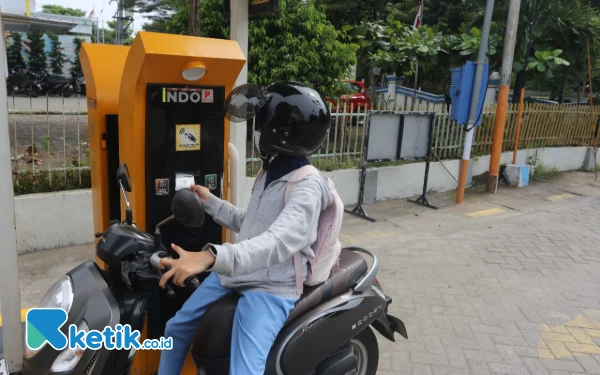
(466, 130)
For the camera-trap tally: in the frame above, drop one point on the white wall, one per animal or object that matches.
(54, 220)
(407, 180)
(65, 218)
(561, 158)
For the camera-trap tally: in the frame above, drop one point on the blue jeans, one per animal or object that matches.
(258, 319)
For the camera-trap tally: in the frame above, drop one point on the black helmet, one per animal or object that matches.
(293, 118)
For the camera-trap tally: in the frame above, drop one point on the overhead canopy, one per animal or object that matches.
(46, 22)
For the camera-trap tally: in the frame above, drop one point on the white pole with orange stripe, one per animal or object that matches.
(9, 264)
(238, 131)
(418, 22)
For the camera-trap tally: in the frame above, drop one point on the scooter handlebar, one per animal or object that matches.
(191, 282)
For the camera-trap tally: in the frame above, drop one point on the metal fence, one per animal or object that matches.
(342, 148)
(48, 143)
(50, 151)
(543, 125)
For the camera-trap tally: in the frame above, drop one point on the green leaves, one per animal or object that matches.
(300, 44)
(56, 55)
(13, 52)
(37, 55)
(395, 47)
(546, 61)
(468, 44)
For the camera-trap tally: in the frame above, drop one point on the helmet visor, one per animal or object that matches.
(244, 102)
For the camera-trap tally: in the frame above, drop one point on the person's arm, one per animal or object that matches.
(223, 212)
(288, 234)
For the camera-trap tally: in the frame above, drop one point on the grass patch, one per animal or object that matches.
(543, 173)
(43, 182)
(331, 164)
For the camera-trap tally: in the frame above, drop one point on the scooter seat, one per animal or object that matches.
(351, 267)
(213, 334)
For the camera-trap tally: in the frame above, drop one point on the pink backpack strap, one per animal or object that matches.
(296, 177)
(298, 267)
(258, 177)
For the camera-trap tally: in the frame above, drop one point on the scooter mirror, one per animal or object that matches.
(187, 208)
(123, 177)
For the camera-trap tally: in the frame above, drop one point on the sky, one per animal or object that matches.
(104, 9)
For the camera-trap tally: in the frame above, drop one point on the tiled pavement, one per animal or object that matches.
(503, 284)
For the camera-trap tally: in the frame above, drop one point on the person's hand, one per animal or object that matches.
(202, 192)
(188, 264)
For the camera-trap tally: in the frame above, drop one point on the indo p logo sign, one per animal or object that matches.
(43, 325)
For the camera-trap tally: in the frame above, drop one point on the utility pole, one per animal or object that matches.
(522, 92)
(9, 270)
(119, 25)
(502, 107)
(481, 61)
(238, 130)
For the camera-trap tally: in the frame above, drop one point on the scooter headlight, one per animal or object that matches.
(59, 296)
(69, 358)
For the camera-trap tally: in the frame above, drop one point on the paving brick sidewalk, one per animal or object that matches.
(506, 284)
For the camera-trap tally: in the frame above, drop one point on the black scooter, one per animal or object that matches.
(328, 333)
(55, 85)
(23, 84)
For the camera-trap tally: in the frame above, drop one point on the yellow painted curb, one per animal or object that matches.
(560, 197)
(491, 211)
(23, 315)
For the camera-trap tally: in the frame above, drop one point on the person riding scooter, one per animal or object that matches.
(292, 122)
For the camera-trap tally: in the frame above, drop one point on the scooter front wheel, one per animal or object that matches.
(366, 350)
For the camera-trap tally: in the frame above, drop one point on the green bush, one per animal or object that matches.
(43, 182)
(544, 173)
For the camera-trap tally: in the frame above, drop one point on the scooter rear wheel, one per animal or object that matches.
(366, 350)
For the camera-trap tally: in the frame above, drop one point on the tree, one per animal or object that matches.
(110, 34)
(404, 46)
(157, 26)
(353, 12)
(75, 70)
(13, 52)
(37, 53)
(297, 43)
(559, 25)
(194, 20)
(448, 16)
(57, 57)
(58, 9)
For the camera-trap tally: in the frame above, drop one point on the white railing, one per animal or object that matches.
(48, 143)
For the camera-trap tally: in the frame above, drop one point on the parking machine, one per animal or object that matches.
(158, 106)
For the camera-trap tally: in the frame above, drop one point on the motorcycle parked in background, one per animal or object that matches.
(23, 83)
(79, 85)
(55, 85)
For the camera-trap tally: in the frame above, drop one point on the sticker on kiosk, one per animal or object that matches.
(162, 186)
(207, 96)
(187, 137)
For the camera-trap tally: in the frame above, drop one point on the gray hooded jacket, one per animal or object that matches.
(270, 233)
